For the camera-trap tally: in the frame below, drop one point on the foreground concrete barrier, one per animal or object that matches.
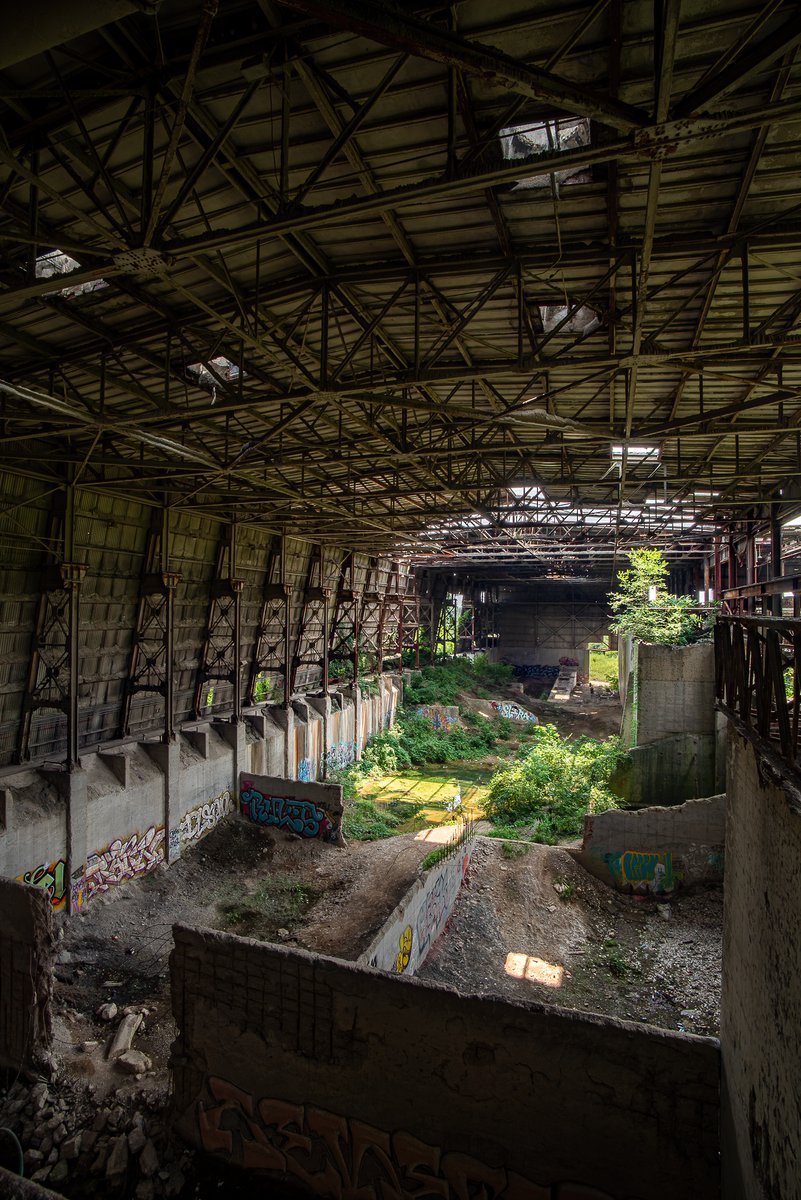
(343, 1081)
(26, 976)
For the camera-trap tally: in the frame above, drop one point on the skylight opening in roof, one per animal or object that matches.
(582, 321)
(226, 370)
(56, 264)
(638, 454)
(542, 137)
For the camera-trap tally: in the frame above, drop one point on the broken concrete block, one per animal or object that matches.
(134, 1062)
(124, 1035)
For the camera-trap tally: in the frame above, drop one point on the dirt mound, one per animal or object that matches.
(533, 925)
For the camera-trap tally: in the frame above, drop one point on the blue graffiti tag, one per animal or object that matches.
(298, 816)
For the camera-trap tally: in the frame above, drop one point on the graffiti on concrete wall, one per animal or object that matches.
(643, 871)
(437, 715)
(513, 712)
(201, 820)
(330, 1155)
(302, 817)
(305, 770)
(51, 877)
(339, 756)
(535, 671)
(405, 943)
(124, 860)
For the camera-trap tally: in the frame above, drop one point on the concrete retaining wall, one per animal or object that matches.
(669, 723)
(132, 806)
(761, 1002)
(308, 810)
(26, 975)
(402, 944)
(346, 1081)
(656, 849)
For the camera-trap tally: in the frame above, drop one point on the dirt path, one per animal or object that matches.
(534, 925)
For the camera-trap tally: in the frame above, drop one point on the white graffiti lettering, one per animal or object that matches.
(201, 820)
(124, 860)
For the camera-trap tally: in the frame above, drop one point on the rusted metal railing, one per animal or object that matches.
(757, 679)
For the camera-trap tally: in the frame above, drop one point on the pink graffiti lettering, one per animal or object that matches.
(345, 1159)
(124, 860)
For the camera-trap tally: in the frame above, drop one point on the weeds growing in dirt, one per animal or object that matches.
(278, 900)
(513, 850)
(364, 821)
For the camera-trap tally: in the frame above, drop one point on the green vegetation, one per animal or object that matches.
(645, 609)
(364, 821)
(552, 786)
(436, 856)
(564, 889)
(603, 666)
(441, 684)
(278, 900)
(513, 850)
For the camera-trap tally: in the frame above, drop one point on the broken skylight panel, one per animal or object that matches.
(223, 369)
(636, 454)
(58, 265)
(543, 137)
(581, 321)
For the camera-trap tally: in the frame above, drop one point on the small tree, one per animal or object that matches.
(644, 608)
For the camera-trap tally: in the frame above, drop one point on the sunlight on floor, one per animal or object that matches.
(535, 970)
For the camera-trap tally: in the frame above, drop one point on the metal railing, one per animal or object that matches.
(757, 680)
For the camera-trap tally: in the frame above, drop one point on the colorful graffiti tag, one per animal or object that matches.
(124, 860)
(51, 877)
(513, 712)
(201, 820)
(405, 943)
(338, 757)
(297, 816)
(437, 716)
(643, 871)
(305, 770)
(331, 1155)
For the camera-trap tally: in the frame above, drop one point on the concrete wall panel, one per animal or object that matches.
(26, 975)
(347, 1081)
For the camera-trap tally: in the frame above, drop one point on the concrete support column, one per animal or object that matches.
(72, 786)
(322, 705)
(235, 734)
(285, 718)
(167, 757)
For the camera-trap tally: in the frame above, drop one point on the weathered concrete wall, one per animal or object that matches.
(309, 810)
(346, 1081)
(541, 632)
(410, 931)
(761, 1002)
(26, 975)
(668, 723)
(132, 805)
(656, 849)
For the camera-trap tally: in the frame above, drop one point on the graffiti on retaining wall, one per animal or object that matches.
(513, 712)
(201, 820)
(405, 943)
(338, 757)
(643, 871)
(535, 671)
(124, 860)
(330, 1155)
(297, 816)
(439, 717)
(305, 770)
(51, 877)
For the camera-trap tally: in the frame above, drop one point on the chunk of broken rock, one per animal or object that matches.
(107, 1012)
(135, 1062)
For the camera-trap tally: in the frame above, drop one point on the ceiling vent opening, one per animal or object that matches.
(581, 321)
(222, 369)
(542, 137)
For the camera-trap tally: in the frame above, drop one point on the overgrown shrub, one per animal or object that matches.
(644, 608)
(441, 684)
(553, 785)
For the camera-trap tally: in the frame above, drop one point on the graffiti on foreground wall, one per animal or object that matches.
(297, 816)
(333, 1156)
(643, 872)
(51, 877)
(201, 820)
(123, 860)
(513, 712)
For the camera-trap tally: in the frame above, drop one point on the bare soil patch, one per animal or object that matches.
(531, 907)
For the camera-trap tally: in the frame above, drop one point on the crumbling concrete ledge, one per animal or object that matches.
(26, 976)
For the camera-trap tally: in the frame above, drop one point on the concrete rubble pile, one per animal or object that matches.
(81, 1146)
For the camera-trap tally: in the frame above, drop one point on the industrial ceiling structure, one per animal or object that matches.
(497, 287)
(500, 280)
